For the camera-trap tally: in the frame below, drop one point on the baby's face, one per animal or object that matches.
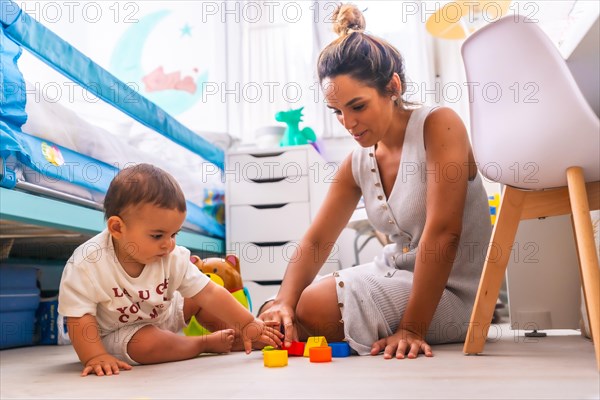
(149, 232)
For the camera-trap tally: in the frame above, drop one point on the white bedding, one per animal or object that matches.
(56, 123)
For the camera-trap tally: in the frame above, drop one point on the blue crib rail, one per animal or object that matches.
(60, 55)
(18, 29)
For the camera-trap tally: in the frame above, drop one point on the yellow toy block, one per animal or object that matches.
(494, 202)
(275, 358)
(314, 341)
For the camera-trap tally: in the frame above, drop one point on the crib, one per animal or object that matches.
(56, 167)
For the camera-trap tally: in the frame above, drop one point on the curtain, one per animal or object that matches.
(401, 23)
(279, 59)
(276, 68)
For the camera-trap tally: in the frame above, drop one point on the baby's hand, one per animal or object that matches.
(104, 364)
(259, 331)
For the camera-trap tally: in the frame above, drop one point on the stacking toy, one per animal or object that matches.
(340, 349)
(275, 358)
(296, 349)
(320, 354)
(314, 341)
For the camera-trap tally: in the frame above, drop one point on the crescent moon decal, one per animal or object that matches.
(167, 93)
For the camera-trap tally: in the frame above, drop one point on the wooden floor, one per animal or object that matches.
(560, 366)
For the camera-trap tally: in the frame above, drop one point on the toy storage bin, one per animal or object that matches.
(19, 299)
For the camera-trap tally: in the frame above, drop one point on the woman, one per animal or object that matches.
(416, 172)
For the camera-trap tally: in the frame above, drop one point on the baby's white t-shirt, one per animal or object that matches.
(94, 282)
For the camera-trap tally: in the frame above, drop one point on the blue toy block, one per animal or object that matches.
(340, 349)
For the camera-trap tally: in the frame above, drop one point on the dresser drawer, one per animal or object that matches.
(264, 166)
(260, 292)
(275, 191)
(268, 261)
(265, 261)
(287, 222)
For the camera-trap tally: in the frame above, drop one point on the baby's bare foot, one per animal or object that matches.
(217, 342)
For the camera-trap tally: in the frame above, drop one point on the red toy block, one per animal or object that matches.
(295, 349)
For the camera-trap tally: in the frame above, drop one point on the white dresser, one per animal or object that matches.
(272, 195)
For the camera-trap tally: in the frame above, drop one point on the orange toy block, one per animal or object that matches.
(275, 358)
(314, 341)
(320, 354)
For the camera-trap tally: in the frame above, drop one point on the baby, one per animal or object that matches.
(128, 291)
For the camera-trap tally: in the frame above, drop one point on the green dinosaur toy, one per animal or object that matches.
(293, 136)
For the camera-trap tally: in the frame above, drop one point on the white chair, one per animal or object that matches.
(534, 132)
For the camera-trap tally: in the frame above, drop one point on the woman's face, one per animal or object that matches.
(360, 109)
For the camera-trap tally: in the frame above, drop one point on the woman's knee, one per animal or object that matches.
(318, 310)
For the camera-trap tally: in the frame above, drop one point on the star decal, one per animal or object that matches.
(186, 30)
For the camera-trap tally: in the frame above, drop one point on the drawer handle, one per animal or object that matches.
(268, 180)
(269, 244)
(266, 206)
(276, 154)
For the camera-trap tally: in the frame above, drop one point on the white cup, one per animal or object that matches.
(269, 136)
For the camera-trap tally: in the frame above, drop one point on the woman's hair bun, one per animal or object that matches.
(347, 18)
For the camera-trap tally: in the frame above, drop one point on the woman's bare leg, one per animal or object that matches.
(151, 345)
(318, 311)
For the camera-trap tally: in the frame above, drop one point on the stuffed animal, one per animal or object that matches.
(224, 271)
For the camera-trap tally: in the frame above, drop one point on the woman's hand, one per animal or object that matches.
(399, 344)
(104, 364)
(282, 315)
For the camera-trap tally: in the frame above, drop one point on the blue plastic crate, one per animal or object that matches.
(19, 299)
(12, 277)
(17, 328)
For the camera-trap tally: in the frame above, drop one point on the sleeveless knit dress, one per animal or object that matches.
(372, 297)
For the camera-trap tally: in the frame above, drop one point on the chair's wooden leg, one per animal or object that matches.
(586, 249)
(503, 237)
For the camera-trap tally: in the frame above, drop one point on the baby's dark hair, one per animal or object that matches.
(365, 58)
(142, 184)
